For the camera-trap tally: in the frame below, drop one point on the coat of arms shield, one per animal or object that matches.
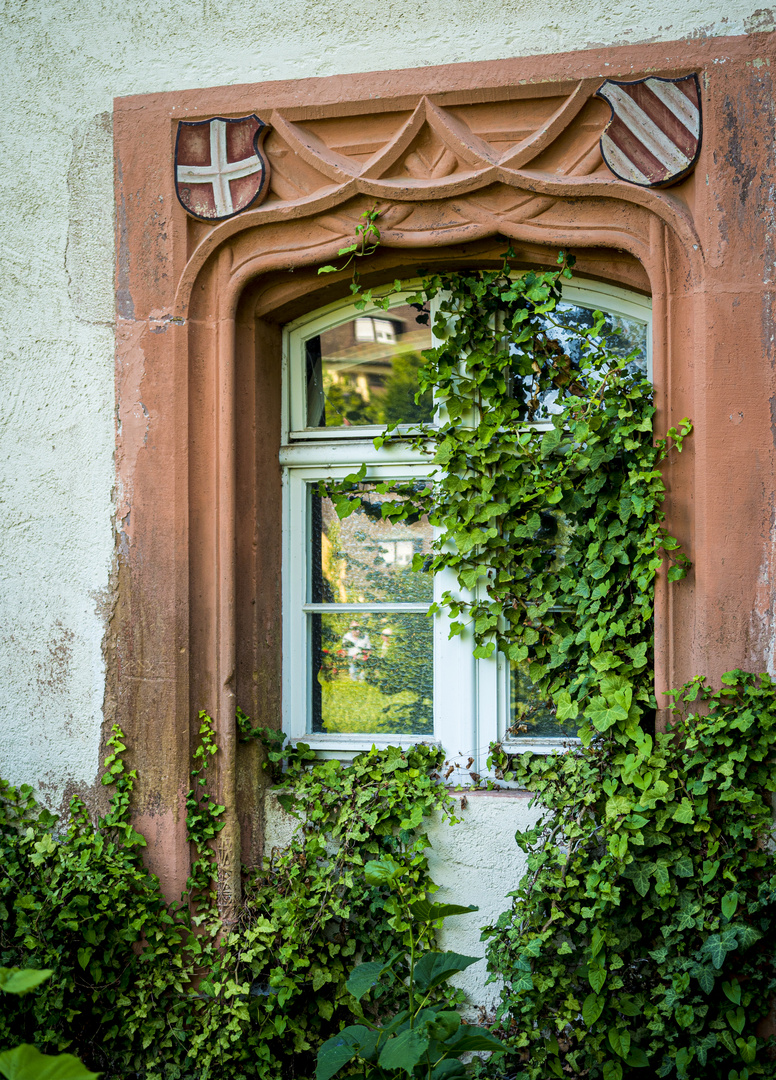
(654, 136)
(220, 169)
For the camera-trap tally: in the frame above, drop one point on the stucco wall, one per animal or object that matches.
(474, 862)
(62, 63)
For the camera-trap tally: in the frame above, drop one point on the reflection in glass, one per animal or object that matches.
(621, 334)
(372, 672)
(365, 371)
(365, 558)
(530, 715)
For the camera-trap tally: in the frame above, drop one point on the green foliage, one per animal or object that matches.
(554, 532)
(26, 1062)
(157, 991)
(425, 1039)
(642, 933)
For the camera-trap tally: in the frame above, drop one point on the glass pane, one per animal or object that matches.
(365, 371)
(372, 672)
(621, 334)
(365, 558)
(530, 715)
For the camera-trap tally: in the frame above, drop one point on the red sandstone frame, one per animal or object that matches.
(457, 158)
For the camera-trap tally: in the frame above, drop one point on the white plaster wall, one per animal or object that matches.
(474, 862)
(61, 64)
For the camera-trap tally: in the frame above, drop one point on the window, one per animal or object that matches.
(362, 661)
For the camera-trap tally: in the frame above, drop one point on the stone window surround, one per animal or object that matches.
(200, 311)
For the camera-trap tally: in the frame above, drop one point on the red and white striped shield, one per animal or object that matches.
(654, 136)
(219, 167)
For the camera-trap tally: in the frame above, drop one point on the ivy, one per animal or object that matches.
(641, 934)
(545, 487)
(142, 988)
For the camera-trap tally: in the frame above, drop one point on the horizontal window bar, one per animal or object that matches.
(376, 607)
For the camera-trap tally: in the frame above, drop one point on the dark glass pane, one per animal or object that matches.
(621, 334)
(365, 558)
(372, 672)
(531, 717)
(365, 371)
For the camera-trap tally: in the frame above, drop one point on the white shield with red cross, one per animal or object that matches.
(219, 166)
(654, 136)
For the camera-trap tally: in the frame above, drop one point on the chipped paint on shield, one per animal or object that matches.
(654, 136)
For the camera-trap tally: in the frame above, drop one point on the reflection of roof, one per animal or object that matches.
(375, 355)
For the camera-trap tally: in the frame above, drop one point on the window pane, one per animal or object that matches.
(365, 558)
(365, 371)
(621, 334)
(530, 715)
(372, 673)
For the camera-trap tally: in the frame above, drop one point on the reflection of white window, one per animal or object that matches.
(382, 330)
(364, 329)
(399, 552)
(363, 663)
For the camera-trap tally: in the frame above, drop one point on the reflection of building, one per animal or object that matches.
(361, 352)
(366, 558)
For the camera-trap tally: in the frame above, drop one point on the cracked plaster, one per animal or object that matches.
(62, 64)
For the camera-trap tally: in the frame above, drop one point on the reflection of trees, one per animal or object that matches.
(391, 400)
(401, 386)
(405, 664)
(398, 684)
(399, 671)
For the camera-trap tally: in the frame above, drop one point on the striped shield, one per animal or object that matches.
(654, 136)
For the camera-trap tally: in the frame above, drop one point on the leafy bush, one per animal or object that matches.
(156, 991)
(425, 1040)
(644, 930)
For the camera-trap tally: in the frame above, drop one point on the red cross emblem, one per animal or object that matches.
(219, 166)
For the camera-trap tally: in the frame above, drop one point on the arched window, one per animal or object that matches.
(362, 661)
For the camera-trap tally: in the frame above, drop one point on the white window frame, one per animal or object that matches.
(471, 697)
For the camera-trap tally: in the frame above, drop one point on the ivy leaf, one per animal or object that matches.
(592, 1007)
(603, 716)
(434, 968)
(737, 1020)
(550, 442)
(27, 1063)
(684, 812)
(641, 876)
(729, 905)
(612, 1070)
(732, 991)
(683, 867)
(715, 949)
(566, 709)
(619, 1040)
(637, 1058)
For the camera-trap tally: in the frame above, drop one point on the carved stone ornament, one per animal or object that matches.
(654, 136)
(219, 166)
(461, 161)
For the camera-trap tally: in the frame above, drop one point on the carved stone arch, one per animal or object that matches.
(457, 160)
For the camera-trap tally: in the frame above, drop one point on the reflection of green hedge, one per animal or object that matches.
(396, 692)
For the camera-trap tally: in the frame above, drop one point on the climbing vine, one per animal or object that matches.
(545, 487)
(640, 939)
(147, 989)
(635, 944)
